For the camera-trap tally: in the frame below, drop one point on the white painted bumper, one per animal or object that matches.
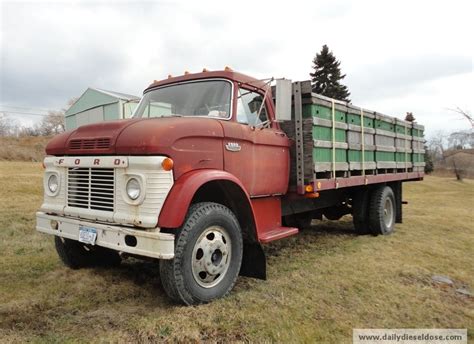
(149, 243)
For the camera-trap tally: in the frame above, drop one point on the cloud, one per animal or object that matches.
(45, 63)
(404, 75)
(394, 54)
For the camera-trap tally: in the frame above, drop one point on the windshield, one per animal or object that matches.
(202, 98)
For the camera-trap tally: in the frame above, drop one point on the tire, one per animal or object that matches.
(76, 255)
(208, 256)
(382, 211)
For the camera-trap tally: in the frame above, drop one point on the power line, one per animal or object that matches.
(23, 113)
(24, 108)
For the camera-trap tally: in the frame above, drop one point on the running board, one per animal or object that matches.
(277, 233)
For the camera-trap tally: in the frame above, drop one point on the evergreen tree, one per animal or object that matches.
(327, 76)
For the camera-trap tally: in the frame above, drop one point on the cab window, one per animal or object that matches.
(207, 98)
(248, 106)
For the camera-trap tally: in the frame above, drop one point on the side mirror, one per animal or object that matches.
(283, 100)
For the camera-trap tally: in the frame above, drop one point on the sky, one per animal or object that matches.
(398, 56)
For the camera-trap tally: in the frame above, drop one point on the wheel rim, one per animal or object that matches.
(388, 212)
(211, 256)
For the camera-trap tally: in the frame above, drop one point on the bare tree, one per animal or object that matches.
(461, 139)
(457, 172)
(458, 141)
(461, 162)
(52, 124)
(29, 131)
(8, 126)
(437, 144)
(465, 114)
(4, 125)
(446, 151)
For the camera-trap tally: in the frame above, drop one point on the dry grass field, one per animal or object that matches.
(321, 284)
(23, 148)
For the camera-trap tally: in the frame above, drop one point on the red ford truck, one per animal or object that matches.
(213, 165)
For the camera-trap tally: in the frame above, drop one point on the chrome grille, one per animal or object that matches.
(91, 188)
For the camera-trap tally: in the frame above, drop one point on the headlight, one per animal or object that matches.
(53, 183)
(133, 188)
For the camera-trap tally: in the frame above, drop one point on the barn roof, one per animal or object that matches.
(118, 95)
(94, 97)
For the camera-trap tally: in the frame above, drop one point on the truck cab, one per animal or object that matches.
(243, 109)
(194, 179)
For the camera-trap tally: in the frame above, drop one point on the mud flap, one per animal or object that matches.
(254, 263)
(360, 205)
(397, 190)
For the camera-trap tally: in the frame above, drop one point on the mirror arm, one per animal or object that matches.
(262, 124)
(264, 99)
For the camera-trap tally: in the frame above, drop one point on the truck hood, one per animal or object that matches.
(133, 136)
(92, 139)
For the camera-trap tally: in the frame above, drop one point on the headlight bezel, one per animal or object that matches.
(141, 179)
(47, 183)
(136, 193)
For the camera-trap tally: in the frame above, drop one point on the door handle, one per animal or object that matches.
(280, 134)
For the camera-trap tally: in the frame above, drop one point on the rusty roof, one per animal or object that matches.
(224, 74)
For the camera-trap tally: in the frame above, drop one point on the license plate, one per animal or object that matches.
(87, 235)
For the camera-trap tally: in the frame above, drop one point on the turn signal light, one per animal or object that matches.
(167, 164)
(308, 188)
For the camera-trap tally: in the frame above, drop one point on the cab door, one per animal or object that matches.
(255, 150)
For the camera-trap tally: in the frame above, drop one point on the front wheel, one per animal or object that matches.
(208, 255)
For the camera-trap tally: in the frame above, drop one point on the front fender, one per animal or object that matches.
(179, 198)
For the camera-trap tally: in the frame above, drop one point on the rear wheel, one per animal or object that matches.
(382, 211)
(76, 255)
(208, 255)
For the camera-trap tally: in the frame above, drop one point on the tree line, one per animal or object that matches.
(51, 124)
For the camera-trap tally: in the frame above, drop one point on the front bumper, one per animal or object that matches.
(148, 243)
